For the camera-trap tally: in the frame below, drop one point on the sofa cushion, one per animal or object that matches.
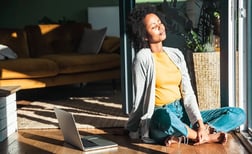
(91, 41)
(27, 68)
(15, 39)
(75, 63)
(54, 38)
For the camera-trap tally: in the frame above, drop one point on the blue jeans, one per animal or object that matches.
(170, 120)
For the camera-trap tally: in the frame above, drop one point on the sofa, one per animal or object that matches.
(38, 56)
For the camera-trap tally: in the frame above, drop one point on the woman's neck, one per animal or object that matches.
(156, 47)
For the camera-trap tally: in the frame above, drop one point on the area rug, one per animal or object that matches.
(89, 112)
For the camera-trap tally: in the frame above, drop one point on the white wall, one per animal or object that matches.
(108, 16)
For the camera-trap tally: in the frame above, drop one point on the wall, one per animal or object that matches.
(107, 16)
(18, 13)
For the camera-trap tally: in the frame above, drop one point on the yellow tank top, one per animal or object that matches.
(168, 78)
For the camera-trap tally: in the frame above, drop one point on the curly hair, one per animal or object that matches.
(135, 27)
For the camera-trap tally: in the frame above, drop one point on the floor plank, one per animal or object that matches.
(47, 141)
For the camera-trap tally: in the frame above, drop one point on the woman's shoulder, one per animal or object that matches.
(143, 57)
(143, 53)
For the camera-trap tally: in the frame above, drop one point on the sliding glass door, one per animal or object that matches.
(242, 56)
(245, 65)
(242, 23)
(249, 51)
(236, 54)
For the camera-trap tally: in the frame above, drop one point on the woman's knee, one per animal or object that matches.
(241, 115)
(161, 119)
(168, 123)
(238, 113)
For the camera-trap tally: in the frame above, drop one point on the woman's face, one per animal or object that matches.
(155, 28)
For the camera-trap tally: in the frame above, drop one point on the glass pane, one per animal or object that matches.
(244, 59)
(249, 65)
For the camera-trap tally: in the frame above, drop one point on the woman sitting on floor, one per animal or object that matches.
(165, 106)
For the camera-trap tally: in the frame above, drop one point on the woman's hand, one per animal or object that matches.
(202, 134)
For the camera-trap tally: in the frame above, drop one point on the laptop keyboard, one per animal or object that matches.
(88, 143)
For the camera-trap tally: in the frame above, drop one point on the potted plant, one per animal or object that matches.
(204, 62)
(205, 69)
(195, 43)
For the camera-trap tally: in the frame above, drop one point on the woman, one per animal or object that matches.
(164, 105)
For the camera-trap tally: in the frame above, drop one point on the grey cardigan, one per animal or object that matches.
(144, 90)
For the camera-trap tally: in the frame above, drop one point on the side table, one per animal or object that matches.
(8, 111)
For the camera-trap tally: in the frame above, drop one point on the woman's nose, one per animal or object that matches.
(158, 26)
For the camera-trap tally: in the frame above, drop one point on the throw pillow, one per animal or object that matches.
(7, 53)
(111, 44)
(91, 41)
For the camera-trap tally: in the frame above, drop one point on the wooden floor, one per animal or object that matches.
(47, 141)
(51, 141)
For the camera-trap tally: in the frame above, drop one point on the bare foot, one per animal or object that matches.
(218, 138)
(171, 140)
(215, 138)
(209, 129)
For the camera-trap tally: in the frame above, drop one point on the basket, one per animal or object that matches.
(207, 78)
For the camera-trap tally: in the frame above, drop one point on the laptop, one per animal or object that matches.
(71, 134)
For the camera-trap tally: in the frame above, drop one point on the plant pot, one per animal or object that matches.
(207, 78)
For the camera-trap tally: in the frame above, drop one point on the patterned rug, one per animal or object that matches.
(89, 112)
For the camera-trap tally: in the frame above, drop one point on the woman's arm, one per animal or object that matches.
(187, 92)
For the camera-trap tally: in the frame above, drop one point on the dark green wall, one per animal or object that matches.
(18, 13)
